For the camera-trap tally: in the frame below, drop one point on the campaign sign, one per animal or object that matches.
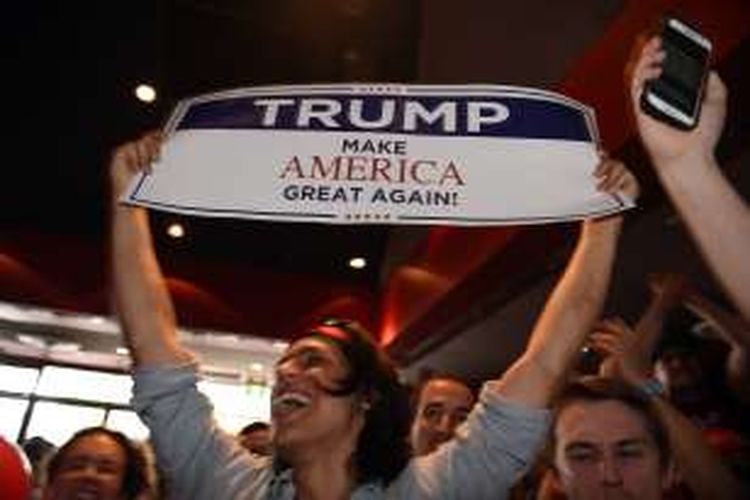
(379, 154)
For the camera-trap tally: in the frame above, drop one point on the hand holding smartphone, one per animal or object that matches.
(675, 97)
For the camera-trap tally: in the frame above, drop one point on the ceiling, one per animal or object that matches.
(73, 68)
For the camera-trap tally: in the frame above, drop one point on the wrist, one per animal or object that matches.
(678, 166)
(603, 227)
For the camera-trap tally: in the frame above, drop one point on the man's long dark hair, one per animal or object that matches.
(382, 448)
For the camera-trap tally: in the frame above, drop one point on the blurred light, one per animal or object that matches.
(32, 341)
(65, 347)
(145, 93)
(281, 345)
(357, 263)
(122, 351)
(176, 230)
(256, 367)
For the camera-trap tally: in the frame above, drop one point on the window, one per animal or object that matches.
(127, 422)
(56, 422)
(236, 405)
(64, 400)
(12, 411)
(18, 379)
(85, 385)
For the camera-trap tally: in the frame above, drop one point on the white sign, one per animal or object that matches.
(380, 154)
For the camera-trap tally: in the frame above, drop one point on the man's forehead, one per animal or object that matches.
(446, 390)
(609, 421)
(311, 343)
(96, 450)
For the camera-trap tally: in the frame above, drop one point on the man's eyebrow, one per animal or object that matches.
(633, 442)
(107, 460)
(303, 350)
(283, 359)
(580, 446)
(92, 457)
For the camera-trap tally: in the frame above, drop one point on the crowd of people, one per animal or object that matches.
(651, 420)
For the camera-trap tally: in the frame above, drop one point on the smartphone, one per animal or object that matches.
(675, 97)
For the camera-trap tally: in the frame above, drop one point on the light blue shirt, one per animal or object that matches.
(492, 449)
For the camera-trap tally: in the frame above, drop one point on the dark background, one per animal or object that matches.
(444, 294)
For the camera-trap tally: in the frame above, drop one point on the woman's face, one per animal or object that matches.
(92, 468)
(305, 416)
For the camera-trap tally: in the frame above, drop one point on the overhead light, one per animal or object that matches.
(31, 340)
(176, 230)
(145, 93)
(357, 262)
(65, 347)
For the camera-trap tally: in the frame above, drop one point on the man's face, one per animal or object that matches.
(257, 441)
(93, 468)
(443, 404)
(305, 416)
(604, 451)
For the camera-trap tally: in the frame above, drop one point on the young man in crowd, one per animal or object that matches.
(441, 404)
(256, 438)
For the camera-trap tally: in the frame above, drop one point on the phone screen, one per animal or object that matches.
(683, 70)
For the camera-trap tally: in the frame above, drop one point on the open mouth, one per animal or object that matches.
(86, 493)
(289, 402)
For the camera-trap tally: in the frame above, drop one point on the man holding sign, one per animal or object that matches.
(335, 389)
(394, 154)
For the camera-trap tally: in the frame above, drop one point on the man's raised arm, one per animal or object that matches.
(574, 305)
(141, 296)
(717, 217)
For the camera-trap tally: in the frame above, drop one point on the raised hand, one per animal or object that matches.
(669, 146)
(614, 177)
(614, 340)
(670, 288)
(132, 158)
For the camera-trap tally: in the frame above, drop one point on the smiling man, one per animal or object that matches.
(442, 404)
(97, 464)
(340, 414)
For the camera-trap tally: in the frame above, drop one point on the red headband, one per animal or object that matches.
(335, 332)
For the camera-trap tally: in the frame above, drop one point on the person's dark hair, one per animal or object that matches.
(37, 448)
(382, 448)
(595, 388)
(254, 426)
(135, 478)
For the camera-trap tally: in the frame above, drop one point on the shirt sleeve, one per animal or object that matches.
(491, 450)
(196, 457)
